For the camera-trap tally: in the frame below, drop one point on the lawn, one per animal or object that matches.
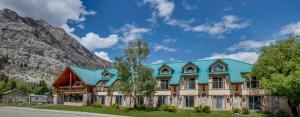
(136, 113)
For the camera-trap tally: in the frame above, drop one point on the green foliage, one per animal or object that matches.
(134, 77)
(282, 113)
(206, 109)
(279, 68)
(115, 106)
(198, 109)
(168, 108)
(246, 111)
(236, 110)
(140, 107)
(96, 105)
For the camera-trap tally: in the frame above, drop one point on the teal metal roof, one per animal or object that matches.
(234, 70)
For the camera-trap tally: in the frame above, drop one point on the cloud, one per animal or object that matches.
(103, 55)
(93, 41)
(249, 57)
(164, 45)
(131, 32)
(228, 23)
(188, 6)
(163, 8)
(185, 25)
(56, 12)
(174, 60)
(292, 28)
(158, 62)
(250, 45)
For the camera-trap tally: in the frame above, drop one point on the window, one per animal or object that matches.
(218, 102)
(139, 100)
(164, 84)
(73, 98)
(218, 68)
(218, 82)
(189, 83)
(189, 101)
(165, 71)
(190, 70)
(253, 83)
(162, 100)
(254, 102)
(119, 100)
(106, 75)
(102, 100)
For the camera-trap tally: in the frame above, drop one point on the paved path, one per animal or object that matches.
(30, 112)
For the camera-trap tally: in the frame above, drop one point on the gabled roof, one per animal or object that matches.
(235, 69)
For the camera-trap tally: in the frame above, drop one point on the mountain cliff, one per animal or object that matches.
(33, 49)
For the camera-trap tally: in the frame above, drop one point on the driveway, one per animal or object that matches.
(30, 112)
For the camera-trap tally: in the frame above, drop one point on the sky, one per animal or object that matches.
(176, 30)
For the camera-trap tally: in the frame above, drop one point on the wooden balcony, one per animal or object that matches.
(71, 89)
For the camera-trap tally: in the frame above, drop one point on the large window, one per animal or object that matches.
(253, 83)
(254, 102)
(162, 100)
(218, 102)
(165, 71)
(218, 82)
(73, 98)
(119, 99)
(164, 84)
(190, 70)
(188, 101)
(189, 83)
(218, 68)
(139, 100)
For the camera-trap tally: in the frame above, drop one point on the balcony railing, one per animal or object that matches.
(189, 85)
(71, 89)
(217, 85)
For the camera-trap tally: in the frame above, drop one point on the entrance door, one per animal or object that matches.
(218, 102)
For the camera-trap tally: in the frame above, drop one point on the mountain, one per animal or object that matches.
(35, 50)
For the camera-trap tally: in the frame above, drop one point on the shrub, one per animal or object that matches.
(246, 111)
(116, 106)
(96, 105)
(141, 107)
(282, 113)
(168, 108)
(198, 109)
(206, 109)
(236, 110)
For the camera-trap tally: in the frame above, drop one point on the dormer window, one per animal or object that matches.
(106, 74)
(165, 70)
(218, 66)
(190, 68)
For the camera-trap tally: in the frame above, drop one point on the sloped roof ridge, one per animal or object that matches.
(195, 60)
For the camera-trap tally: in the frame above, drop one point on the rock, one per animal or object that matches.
(41, 49)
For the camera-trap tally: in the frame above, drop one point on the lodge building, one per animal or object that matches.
(218, 83)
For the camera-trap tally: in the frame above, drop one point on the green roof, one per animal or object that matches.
(234, 70)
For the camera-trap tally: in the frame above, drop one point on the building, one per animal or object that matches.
(14, 96)
(218, 83)
(41, 99)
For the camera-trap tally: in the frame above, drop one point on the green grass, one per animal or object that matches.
(136, 113)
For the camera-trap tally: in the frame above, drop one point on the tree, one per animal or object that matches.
(135, 78)
(278, 66)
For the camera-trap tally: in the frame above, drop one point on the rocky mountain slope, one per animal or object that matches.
(37, 50)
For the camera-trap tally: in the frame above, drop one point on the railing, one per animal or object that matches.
(217, 85)
(71, 89)
(189, 85)
(235, 91)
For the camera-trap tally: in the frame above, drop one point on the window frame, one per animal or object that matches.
(189, 101)
(219, 84)
(166, 84)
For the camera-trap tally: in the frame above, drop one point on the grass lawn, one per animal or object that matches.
(136, 113)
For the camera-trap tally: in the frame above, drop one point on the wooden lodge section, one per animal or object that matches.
(71, 90)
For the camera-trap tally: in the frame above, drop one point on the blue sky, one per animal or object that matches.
(175, 30)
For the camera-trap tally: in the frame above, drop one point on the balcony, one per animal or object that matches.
(71, 89)
(253, 91)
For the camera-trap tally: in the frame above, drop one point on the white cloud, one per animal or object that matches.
(250, 45)
(228, 23)
(174, 60)
(163, 8)
(131, 32)
(56, 12)
(185, 25)
(103, 55)
(249, 57)
(292, 28)
(188, 6)
(158, 47)
(158, 62)
(93, 41)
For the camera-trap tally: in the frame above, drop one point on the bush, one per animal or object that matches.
(206, 109)
(168, 108)
(246, 111)
(236, 110)
(96, 105)
(115, 106)
(141, 107)
(282, 113)
(198, 109)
